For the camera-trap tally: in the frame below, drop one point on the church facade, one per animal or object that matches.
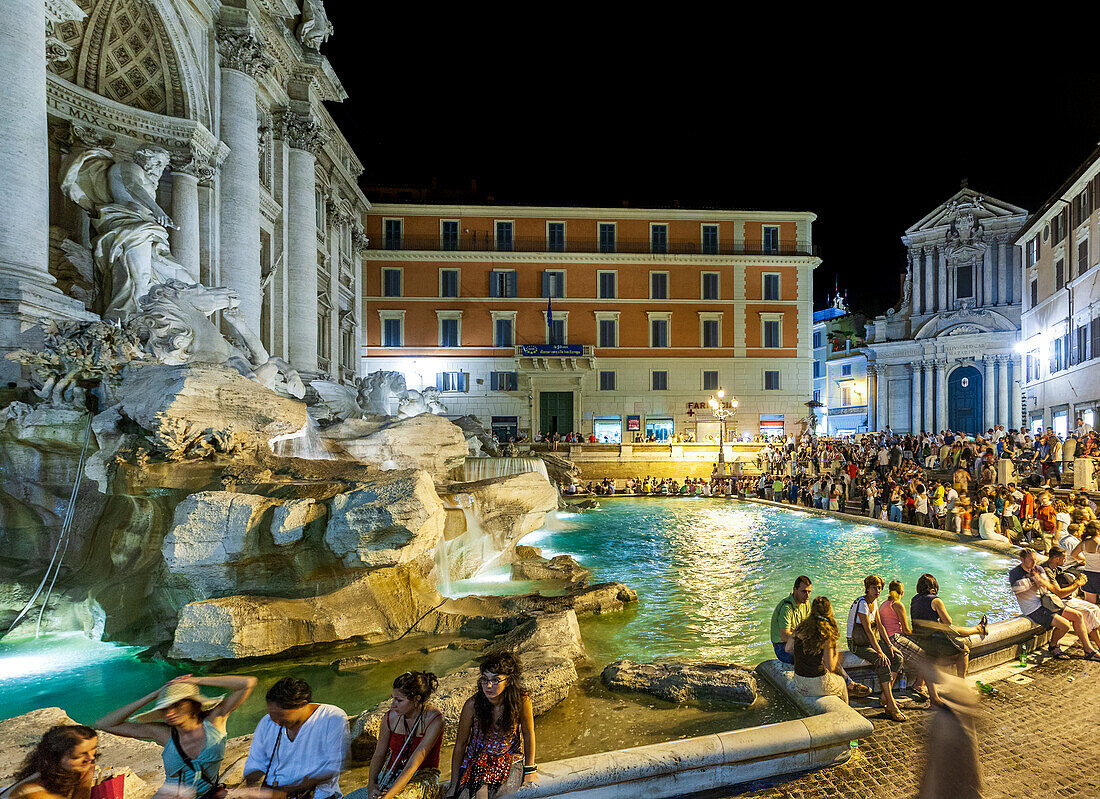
(218, 110)
(946, 357)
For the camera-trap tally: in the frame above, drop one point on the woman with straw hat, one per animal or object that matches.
(189, 725)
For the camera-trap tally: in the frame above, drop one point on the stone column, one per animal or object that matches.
(242, 61)
(1002, 390)
(882, 389)
(304, 137)
(1002, 272)
(1014, 389)
(988, 376)
(941, 306)
(929, 281)
(28, 293)
(987, 276)
(871, 397)
(941, 395)
(915, 293)
(929, 422)
(915, 410)
(186, 241)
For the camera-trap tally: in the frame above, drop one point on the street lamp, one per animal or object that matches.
(722, 411)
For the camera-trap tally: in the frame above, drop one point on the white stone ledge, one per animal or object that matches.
(708, 762)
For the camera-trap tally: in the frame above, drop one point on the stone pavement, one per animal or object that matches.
(1040, 741)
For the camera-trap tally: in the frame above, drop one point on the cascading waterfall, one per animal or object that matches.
(468, 555)
(305, 443)
(486, 468)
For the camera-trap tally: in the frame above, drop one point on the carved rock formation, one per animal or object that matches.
(427, 442)
(683, 682)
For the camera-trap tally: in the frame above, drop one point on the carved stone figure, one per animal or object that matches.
(373, 396)
(315, 27)
(415, 403)
(131, 250)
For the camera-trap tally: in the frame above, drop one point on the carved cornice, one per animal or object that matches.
(300, 131)
(191, 162)
(241, 49)
(63, 11)
(359, 240)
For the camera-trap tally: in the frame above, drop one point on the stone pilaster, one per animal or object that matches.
(1003, 389)
(926, 393)
(941, 261)
(988, 378)
(941, 395)
(881, 397)
(915, 410)
(987, 276)
(1015, 387)
(915, 267)
(929, 281)
(872, 387)
(304, 137)
(1002, 272)
(243, 59)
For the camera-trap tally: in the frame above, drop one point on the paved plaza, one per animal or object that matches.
(1039, 741)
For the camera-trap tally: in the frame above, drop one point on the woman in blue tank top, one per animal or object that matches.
(190, 727)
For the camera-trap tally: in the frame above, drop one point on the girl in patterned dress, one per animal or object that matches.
(496, 731)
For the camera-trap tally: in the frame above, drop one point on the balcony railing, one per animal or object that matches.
(473, 243)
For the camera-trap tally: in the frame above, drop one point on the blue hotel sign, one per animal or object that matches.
(553, 350)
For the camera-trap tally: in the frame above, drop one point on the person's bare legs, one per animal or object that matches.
(1078, 622)
(1060, 628)
(962, 662)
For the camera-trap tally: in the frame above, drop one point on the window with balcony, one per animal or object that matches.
(391, 282)
(504, 239)
(448, 282)
(448, 234)
(658, 285)
(607, 285)
(607, 237)
(556, 331)
(770, 239)
(710, 285)
(391, 234)
(658, 238)
(555, 236)
(607, 381)
(659, 381)
(710, 239)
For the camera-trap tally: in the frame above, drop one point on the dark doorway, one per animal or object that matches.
(964, 400)
(556, 412)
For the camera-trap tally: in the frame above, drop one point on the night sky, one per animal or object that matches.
(871, 151)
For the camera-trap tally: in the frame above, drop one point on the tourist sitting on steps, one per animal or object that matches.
(933, 630)
(1033, 592)
(812, 647)
(299, 746)
(61, 765)
(496, 733)
(405, 764)
(1066, 585)
(867, 639)
(190, 727)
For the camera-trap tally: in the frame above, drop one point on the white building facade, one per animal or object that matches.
(260, 188)
(1061, 314)
(840, 371)
(946, 357)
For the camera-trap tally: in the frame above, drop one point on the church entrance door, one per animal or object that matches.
(964, 401)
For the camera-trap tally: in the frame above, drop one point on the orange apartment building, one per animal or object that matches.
(613, 321)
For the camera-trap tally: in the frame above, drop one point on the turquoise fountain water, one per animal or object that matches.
(707, 572)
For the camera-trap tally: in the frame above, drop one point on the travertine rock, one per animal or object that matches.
(683, 682)
(512, 506)
(427, 442)
(560, 567)
(290, 519)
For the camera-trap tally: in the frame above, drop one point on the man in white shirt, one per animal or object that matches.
(1082, 429)
(1029, 584)
(299, 746)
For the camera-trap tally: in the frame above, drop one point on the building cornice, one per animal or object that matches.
(591, 213)
(600, 258)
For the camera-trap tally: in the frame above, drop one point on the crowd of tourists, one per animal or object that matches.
(299, 747)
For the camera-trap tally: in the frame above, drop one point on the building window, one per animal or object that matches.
(607, 381)
(607, 285)
(771, 381)
(818, 369)
(1032, 253)
(660, 381)
(391, 237)
(1034, 293)
(555, 331)
(502, 333)
(846, 370)
(502, 283)
(771, 333)
(1057, 228)
(658, 238)
(391, 282)
(817, 339)
(451, 381)
(710, 239)
(448, 332)
(448, 235)
(392, 331)
(1082, 353)
(770, 243)
(504, 381)
(817, 395)
(964, 281)
(658, 332)
(846, 395)
(771, 287)
(609, 333)
(710, 381)
(1082, 256)
(1059, 274)
(555, 236)
(658, 285)
(553, 284)
(504, 238)
(607, 237)
(711, 333)
(448, 282)
(1094, 337)
(710, 285)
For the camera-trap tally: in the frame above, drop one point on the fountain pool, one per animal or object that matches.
(708, 573)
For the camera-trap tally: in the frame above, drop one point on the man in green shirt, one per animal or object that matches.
(777, 495)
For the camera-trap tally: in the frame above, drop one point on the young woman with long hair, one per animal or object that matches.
(406, 759)
(190, 727)
(812, 646)
(61, 766)
(497, 724)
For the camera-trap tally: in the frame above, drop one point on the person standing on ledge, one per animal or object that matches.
(791, 611)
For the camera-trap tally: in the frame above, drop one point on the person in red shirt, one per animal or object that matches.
(1048, 524)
